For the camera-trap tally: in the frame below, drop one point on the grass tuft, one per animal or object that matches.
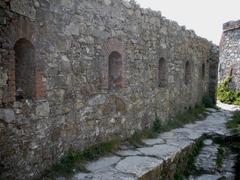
(180, 120)
(222, 151)
(234, 124)
(74, 161)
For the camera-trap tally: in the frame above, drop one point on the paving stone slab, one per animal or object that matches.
(152, 142)
(128, 153)
(206, 177)
(138, 165)
(163, 151)
(105, 174)
(103, 163)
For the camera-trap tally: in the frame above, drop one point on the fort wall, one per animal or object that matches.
(74, 73)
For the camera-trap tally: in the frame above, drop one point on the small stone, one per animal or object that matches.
(208, 142)
(107, 2)
(112, 121)
(7, 115)
(128, 153)
(42, 109)
(151, 142)
(36, 4)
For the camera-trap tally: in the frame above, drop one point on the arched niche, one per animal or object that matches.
(162, 72)
(187, 73)
(113, 65)
(25, 69)
(203, 70)
(115, 70)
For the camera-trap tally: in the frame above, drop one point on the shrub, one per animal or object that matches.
(157, 125)
(226, 95)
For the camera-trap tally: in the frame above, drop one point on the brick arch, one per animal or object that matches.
(19, 28)
(22, 28)
(113, 52)
(25, 73)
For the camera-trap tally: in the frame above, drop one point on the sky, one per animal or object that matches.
(205, 17)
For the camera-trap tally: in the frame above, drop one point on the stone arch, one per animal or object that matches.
(25, 66)
(162, 75)
(115, 70)
(187, 75)
(203, 70)
(114, 61)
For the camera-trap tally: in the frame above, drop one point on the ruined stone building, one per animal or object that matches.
(230, 54)
(74, 73)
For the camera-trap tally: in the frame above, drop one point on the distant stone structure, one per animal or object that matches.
(230, 54)
(74, 73)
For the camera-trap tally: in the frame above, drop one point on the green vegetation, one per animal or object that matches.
(234, 124)
(157, 125)
(75, 161)
(136, 139)
(226, 95)
(191, 115)
(180, 120)
(222, 151)
(190, 159)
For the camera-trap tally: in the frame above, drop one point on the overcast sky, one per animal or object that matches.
(205, 17)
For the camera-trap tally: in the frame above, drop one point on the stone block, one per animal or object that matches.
(42, 109)
(24, 7)
(7, 115)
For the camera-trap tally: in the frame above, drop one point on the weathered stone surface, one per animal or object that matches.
(103, 163)
(7, 115)
(106, 174)
(163, 151)
(128, 153)
(207, 159)
(230, 54)
(72, 105)
(206, 162)
(151, 142)
(42, 109)
(206, 177)
(138, 165)
(208, 142)
(24, 7)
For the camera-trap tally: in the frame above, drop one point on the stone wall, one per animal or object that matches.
(100, 69)
(230, 54)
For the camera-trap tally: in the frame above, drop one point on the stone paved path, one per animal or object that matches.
(131, 164)
(206, 163)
